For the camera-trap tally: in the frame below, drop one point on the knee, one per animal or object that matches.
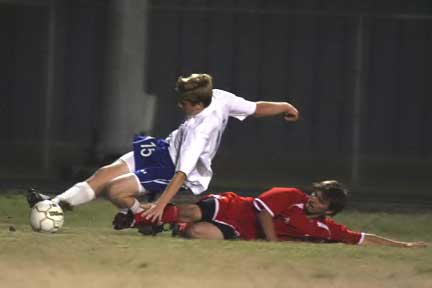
(107, 173)
(100, 179)
(121, 188)
(194, 232)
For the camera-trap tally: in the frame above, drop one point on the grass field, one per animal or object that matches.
(88, 253)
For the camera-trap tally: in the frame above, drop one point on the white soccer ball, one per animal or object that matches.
(46, 216)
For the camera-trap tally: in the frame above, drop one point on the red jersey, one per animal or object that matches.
(286, 205)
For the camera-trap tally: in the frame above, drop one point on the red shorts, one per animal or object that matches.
(236, 212)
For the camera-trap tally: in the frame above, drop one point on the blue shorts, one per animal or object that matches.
(153, 165)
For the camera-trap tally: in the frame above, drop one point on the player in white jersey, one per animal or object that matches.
(182, 160)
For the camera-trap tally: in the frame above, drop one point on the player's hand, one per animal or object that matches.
(154, 213)
(147, 206)
(291, 114)
(290, 117)
(416, 245)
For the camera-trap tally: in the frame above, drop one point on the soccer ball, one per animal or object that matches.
(46, 216)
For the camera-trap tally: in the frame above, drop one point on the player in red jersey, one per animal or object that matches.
(279, 214)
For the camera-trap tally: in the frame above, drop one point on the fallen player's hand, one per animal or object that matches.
(416, 245)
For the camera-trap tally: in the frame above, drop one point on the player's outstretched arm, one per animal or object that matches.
(372, 239)
(265, 109)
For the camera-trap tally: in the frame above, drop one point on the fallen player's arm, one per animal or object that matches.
(266, 222)
(372, 239)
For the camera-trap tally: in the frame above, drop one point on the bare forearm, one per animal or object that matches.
(372, 239)
(172, 188)
(265, 109)
(266, 222)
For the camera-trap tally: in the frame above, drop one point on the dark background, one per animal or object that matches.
(359, 72)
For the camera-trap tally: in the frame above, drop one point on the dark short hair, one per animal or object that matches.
(333, 192)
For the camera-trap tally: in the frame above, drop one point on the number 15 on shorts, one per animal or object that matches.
(147, 149)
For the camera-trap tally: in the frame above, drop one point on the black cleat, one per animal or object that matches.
(65, 206)
(123, 221)
(33, 197)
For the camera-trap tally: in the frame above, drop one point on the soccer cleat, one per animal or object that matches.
(33, 197)
(123, 221)
(65, 206)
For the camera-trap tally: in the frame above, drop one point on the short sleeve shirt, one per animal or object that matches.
(286, 205)
(194, 144)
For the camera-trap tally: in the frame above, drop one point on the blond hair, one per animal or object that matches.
(196, 88)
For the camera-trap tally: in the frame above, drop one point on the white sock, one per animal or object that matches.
(78, 194)
(123, 210)
(136, 207)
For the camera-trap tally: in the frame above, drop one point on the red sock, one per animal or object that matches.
(169, 215)
(182, 227)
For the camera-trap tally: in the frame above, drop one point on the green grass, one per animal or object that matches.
(88, 253)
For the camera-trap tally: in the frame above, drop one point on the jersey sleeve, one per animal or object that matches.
(276, 200)
(341, 233)
(239, 107)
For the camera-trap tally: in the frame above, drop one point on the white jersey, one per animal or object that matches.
(194, 144)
